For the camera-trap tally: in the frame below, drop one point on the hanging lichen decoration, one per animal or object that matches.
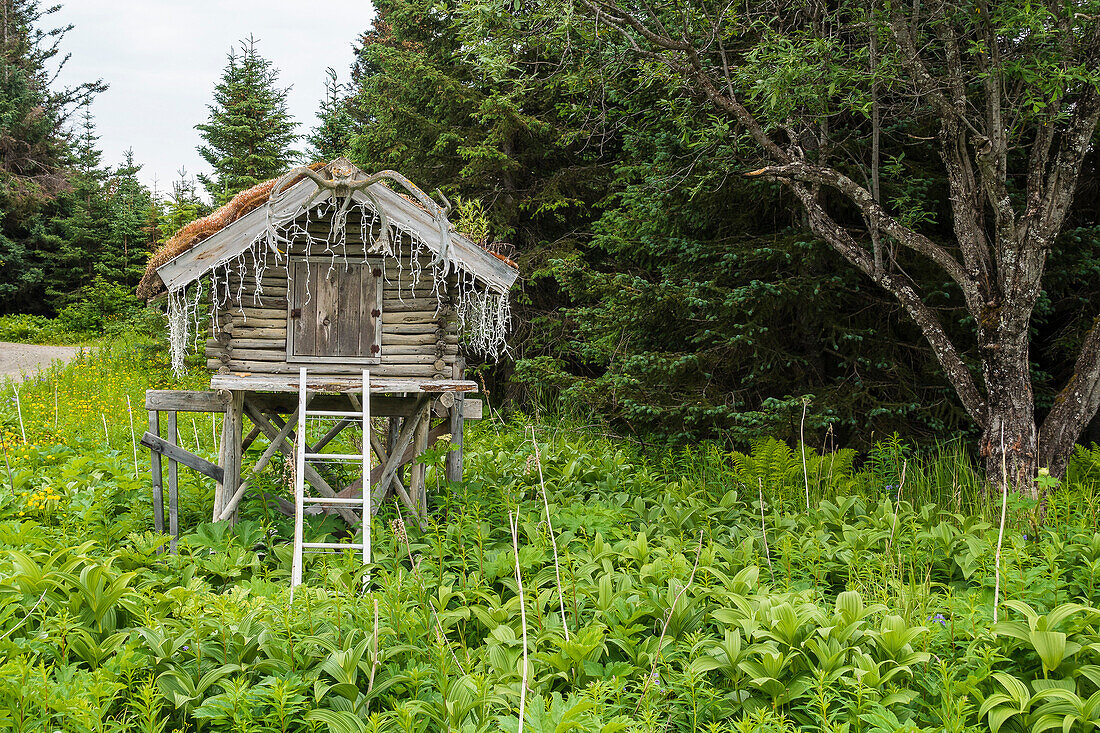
(321, 227)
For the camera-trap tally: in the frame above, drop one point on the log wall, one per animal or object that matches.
(416, 340)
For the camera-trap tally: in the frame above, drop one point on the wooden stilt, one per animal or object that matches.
(454, 455)
(395, 426)
(232, 441)
(158, 475)
(417, 485)
(173, 481)
(388, 471)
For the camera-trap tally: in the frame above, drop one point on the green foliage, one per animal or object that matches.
(179, 208)
(101, 303)
(331, 137)
(664, 291)
(689, 603)
(248, 135)
(38, 151)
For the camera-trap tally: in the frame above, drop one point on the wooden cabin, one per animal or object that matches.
(337, 272)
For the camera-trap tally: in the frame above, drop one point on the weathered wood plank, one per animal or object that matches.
(280, 367)
(419, 328)
(389, 357)
(277, 354)
(157, 474)
(179, 400)
(386, 406)
(426, 316)
(424, 350)
(411, 339)
(325, 318)
(282, 383)
(258, 343)
(245, 332)
(159, 446)
(232, 438)
(390, 302)
(248, 313)
(173, 481)
(349, 312)
(303, 338)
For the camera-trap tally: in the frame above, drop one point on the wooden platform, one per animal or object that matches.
(321, 383)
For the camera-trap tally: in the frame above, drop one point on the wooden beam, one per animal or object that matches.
(454, 455)
(380, 405)
(179, 400)
(159, 446)
(250, 438)
(390, 468)
(418, 473)
(286, 383)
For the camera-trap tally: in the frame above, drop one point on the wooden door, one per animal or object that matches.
(335, 311)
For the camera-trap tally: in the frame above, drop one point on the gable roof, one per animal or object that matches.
(235, 227)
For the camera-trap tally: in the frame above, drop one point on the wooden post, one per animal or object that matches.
(418, 486)
(394, 429)
(158, 475)
(454, 455)
(394, 425)
(230, 456)
(173, 481)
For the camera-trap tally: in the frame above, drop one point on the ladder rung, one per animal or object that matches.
(336, 456)
(331, 546)
(332, 500)
(334, 413)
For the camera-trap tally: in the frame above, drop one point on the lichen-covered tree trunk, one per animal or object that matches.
(1010, 437)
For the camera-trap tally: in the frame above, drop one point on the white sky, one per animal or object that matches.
(162, 58)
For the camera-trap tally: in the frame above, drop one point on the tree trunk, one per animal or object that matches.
(1074, 408)
(1010, 440)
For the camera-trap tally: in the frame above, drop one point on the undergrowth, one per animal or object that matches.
(697, 591)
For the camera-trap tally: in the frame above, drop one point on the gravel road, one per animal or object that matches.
(25, 359)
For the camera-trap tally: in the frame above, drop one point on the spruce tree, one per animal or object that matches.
(33, 148)
(331, 138)
(130, 238)
(179, 208)
(249, 133)
(81, 218)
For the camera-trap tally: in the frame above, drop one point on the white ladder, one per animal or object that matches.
(302, 455)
